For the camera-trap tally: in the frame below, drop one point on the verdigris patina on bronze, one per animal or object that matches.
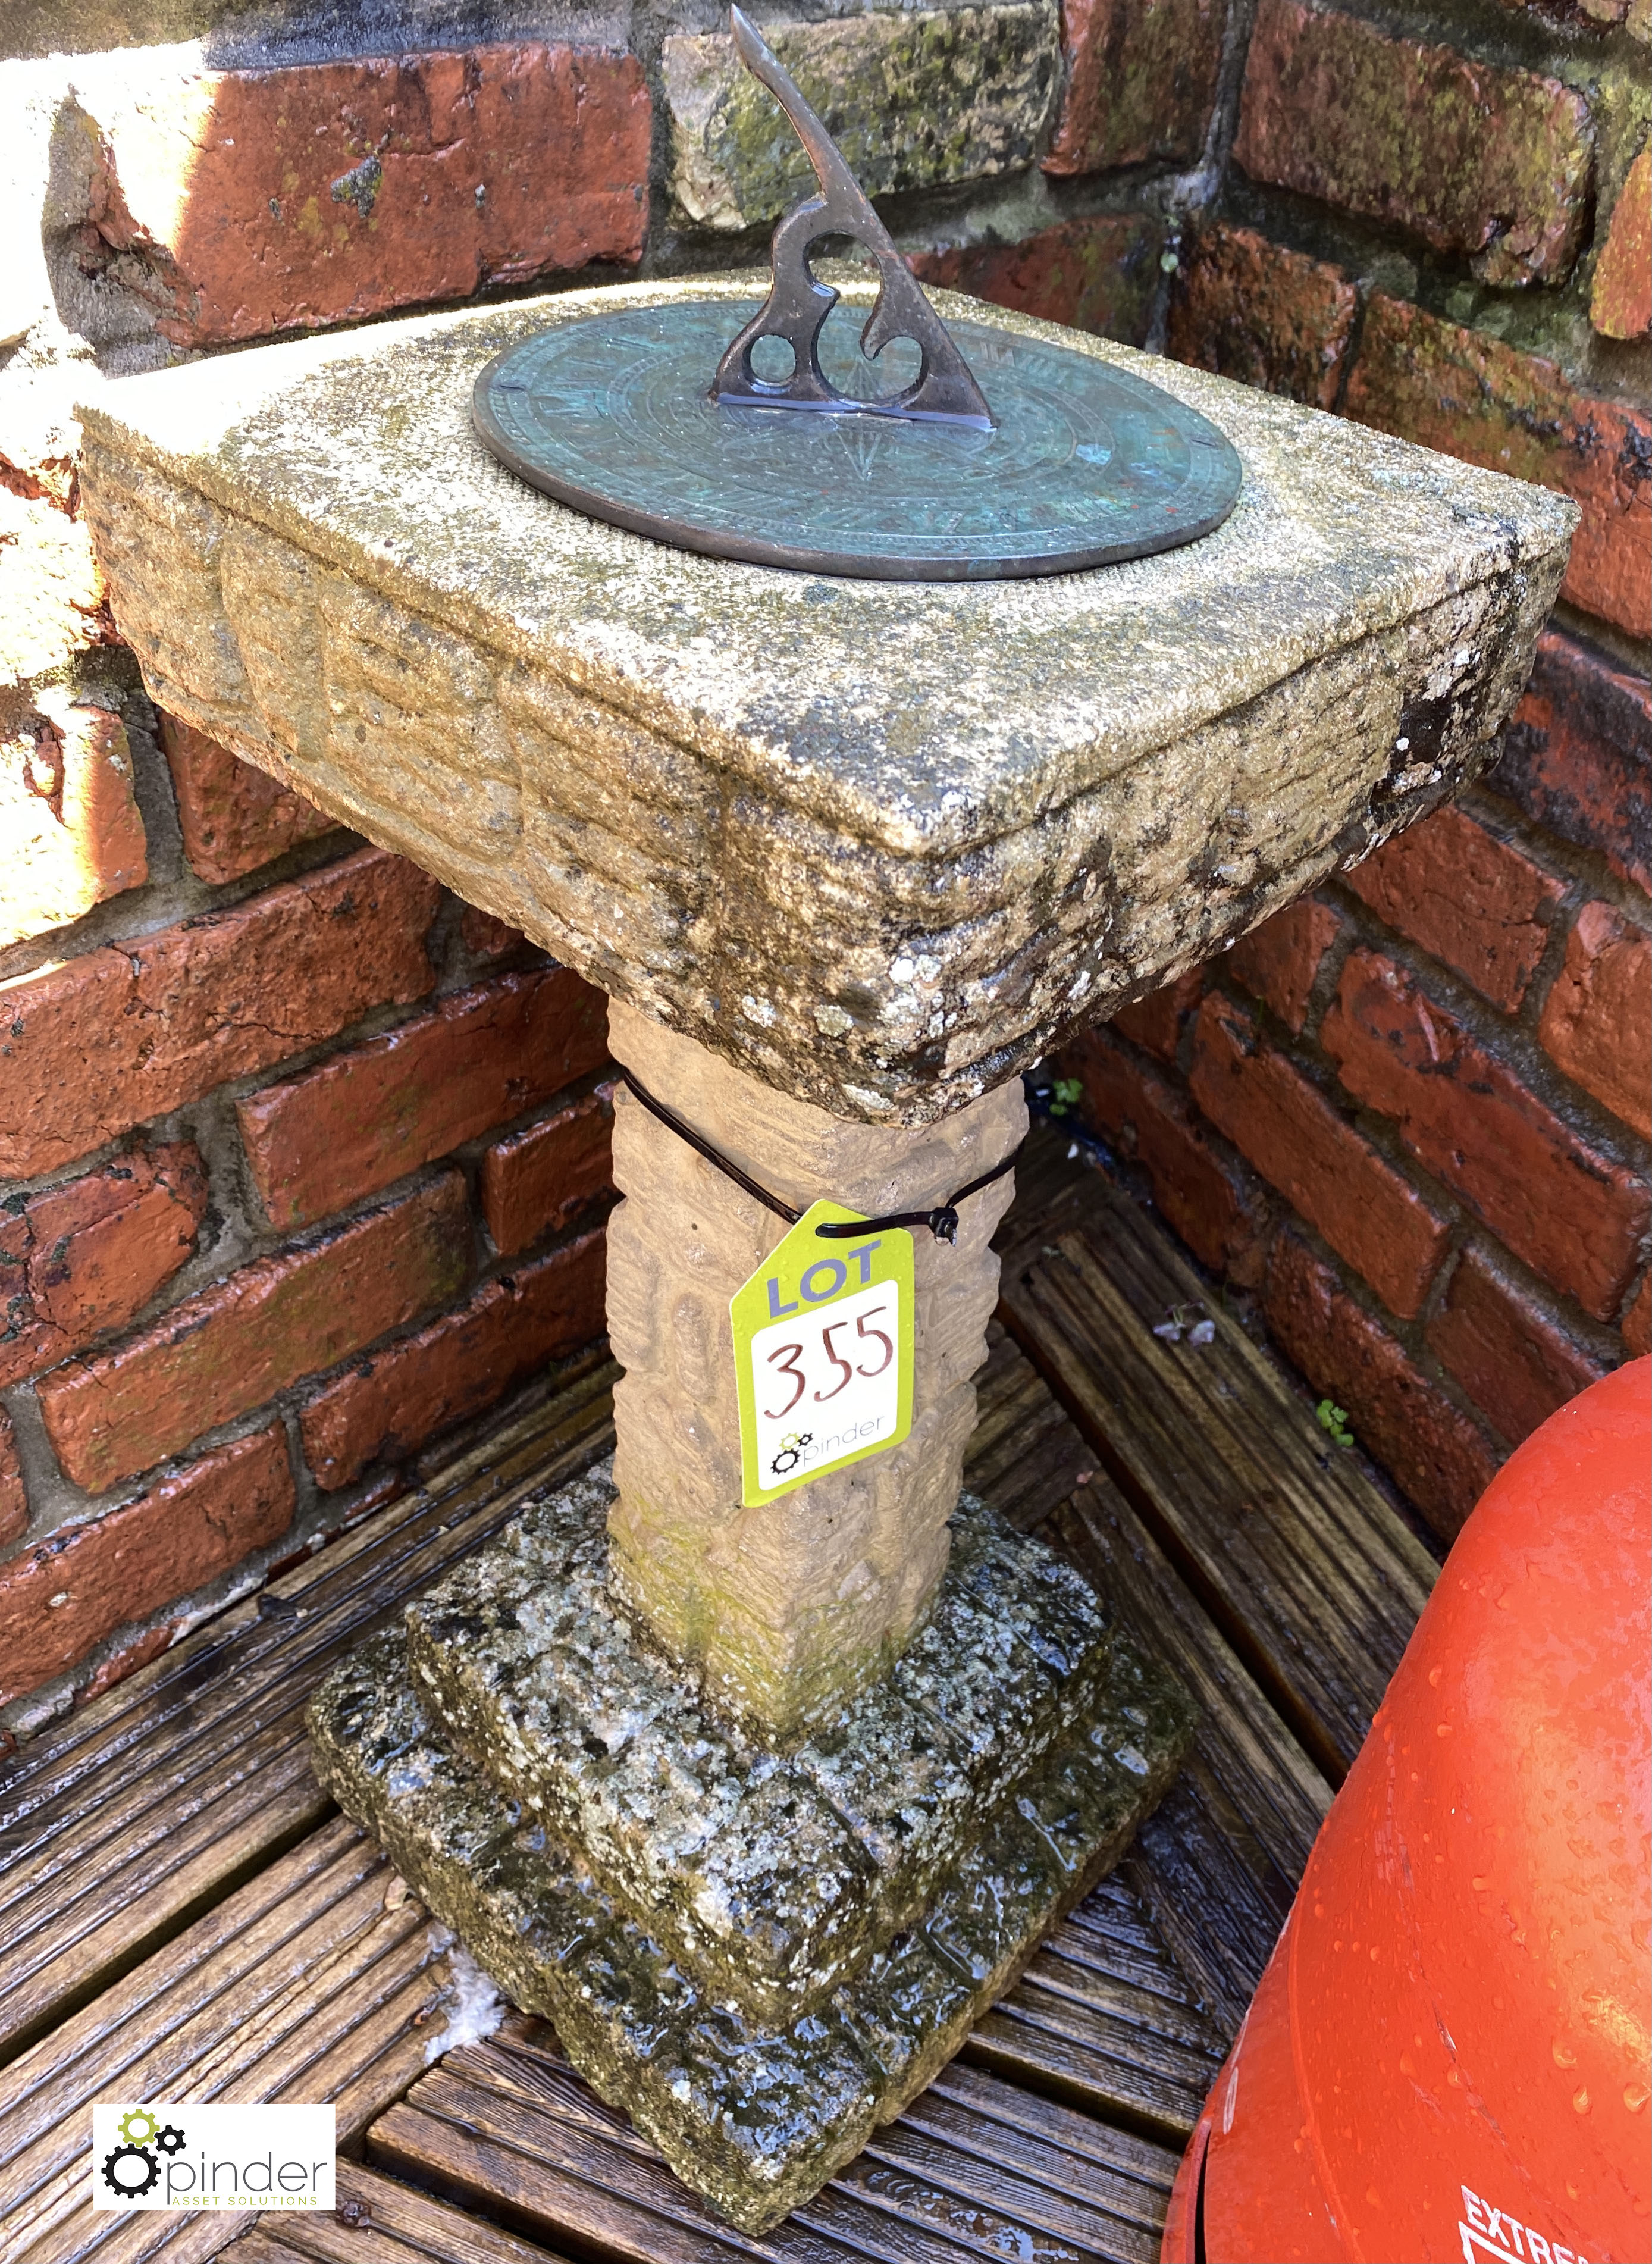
(1005, 455)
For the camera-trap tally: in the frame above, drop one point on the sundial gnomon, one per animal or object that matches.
(1004, 456)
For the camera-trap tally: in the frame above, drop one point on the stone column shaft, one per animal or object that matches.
(785, 1609)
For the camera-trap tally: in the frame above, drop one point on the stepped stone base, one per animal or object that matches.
(612, 1890)
(771, 1874)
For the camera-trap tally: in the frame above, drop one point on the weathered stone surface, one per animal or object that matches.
(783, 1606)
(754, 2116)
(912, 100)
(521, 1661)
(880, 844)
(772, 1877)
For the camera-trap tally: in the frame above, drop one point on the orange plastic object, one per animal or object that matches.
(1447, 2060)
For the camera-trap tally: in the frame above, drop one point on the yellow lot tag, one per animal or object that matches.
(822, 1354)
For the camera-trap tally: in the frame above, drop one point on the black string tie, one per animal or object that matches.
(942, 1222)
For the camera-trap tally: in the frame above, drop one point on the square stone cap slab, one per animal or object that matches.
(880, 843)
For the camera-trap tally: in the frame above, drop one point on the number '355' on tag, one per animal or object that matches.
(823, 1353)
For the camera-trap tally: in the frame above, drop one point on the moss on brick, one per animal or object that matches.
(1474, 397)
(1141, 80)
(913, 101)
(1470, 158)
(1620, 299)
(1252, 310)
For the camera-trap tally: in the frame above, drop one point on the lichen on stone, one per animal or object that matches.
(774, 1874)
(914, 100)
(697, 780)
(754, 2111)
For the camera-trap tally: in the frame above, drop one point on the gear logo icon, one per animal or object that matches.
(791, 1453)
(130, 2171)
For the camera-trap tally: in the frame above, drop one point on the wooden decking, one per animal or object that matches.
(182, 1916)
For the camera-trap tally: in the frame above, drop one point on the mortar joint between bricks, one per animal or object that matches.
(1512, 1040)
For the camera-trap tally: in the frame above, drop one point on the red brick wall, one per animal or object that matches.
(1410, 1117)
(302, 1161)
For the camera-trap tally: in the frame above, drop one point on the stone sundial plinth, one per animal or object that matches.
(760, 1794)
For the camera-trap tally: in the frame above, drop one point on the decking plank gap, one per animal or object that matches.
(1120, 2199)
(1201, 1515)
(1222, 1463)
(380, 2221)
(540, 2174)
(181, 1911)
(994, 2194)
(107, 1864)
(279, 1991)
(1277, 1789)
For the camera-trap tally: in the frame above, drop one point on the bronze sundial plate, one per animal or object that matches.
(1088, 465)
